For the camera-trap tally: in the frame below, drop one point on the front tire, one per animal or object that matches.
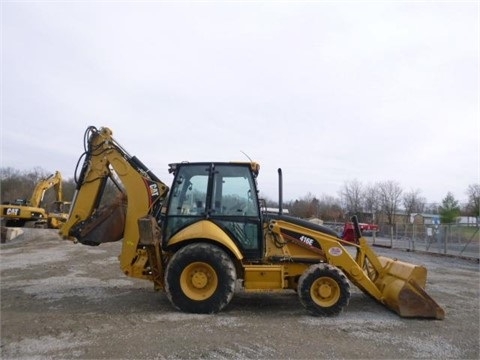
(323, 290)
(200, 278)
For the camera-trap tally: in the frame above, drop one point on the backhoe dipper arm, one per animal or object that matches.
(90, 224)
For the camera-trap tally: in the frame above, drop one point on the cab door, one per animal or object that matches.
(234, 206)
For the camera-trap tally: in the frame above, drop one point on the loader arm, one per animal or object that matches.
(143, 195)
(398, 285)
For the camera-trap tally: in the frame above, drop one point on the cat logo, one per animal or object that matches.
(154, 190)
(12, 211)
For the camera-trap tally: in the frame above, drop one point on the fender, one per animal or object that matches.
(205, 229)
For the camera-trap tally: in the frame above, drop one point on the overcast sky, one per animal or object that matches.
(328, 91)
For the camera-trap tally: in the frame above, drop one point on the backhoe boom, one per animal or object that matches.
(91, 223)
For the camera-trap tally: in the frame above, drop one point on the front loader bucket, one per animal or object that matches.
(403, 289)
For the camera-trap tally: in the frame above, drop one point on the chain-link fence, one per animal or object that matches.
(457, 240)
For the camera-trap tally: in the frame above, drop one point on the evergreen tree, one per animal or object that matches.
(449, 210)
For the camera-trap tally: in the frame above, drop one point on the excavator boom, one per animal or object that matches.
(55, 181)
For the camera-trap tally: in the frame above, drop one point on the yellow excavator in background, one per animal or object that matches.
(31, 213)
(57, 214)
(210, 231)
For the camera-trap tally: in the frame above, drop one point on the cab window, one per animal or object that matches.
(234, 192)
(189, 191)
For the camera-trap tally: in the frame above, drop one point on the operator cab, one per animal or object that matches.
(224, 193)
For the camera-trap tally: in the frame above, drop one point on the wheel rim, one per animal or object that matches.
(198, 281)
(325, 292)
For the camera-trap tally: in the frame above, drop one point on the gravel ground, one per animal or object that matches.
(62, 300)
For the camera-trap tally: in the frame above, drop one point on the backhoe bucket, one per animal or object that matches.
(106, 225)
(403, 290)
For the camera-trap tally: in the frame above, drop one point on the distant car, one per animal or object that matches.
(348, 233)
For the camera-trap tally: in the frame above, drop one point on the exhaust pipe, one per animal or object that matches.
(280, 192)
(356, 228)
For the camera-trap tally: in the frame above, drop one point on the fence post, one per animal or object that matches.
(413, 237)
(391, 236)
(447, 231)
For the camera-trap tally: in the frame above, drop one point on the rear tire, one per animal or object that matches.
(200, 278)
(323, 290)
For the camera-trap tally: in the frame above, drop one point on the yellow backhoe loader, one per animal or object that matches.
(31, 213)
(208, 232)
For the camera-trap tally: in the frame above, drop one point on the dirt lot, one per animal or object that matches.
(65, 300)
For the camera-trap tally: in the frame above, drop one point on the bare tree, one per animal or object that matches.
(68, 189)
(413, 202)
(330, 209)
(390, 192)
(473, 206)
(9, 190)
(351, 194)
(19, 185)
(431, 208)
(305, 207)
(371, 202)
